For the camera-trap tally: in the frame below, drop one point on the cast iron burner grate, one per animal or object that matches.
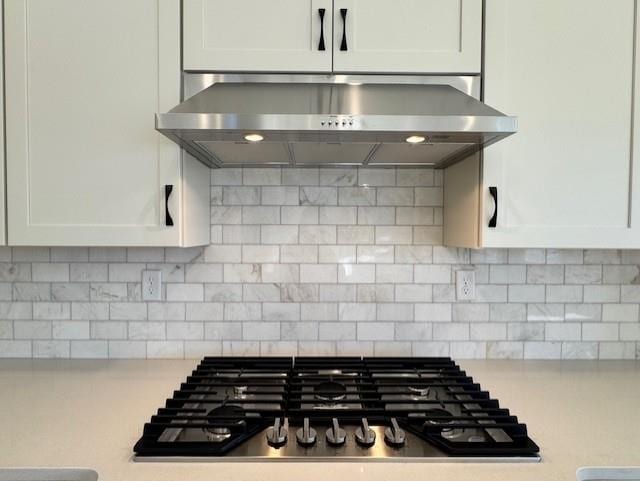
(231, 406)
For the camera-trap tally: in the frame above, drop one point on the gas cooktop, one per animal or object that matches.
(346, 408)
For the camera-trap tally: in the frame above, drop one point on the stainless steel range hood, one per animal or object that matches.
(337, 120)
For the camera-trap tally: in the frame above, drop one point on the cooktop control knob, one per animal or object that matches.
(277, 434)
(394, 435)
(306, 436)
(365, 436)
(335, 434)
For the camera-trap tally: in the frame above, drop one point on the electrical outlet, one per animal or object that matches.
(465, 285)
(151, 285)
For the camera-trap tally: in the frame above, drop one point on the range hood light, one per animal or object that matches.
(415, 139)
(254, 137)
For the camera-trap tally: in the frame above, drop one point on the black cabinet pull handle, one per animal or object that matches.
(493, 222)
(343, 44)
(168, 220)
(321, 44)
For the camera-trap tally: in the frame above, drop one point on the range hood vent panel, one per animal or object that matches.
(332, 123)
(324, 153)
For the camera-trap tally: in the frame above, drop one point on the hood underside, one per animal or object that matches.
(333, 124)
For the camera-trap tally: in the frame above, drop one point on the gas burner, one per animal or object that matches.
(220, 430)
(217, 435)
(330, 391)
(240, 391)
(421, 391)
(464, 435)
(441, 416)
(452, 434)
(438, 413)
(438, 416)
(332, 372)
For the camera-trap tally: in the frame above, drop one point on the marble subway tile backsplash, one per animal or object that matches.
(321, 262)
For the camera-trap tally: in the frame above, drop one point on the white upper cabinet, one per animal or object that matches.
(407, 36)
(400, 36)
(258, 35)
(85, 166)
(569, 177)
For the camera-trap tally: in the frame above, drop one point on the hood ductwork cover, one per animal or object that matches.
(333, 124)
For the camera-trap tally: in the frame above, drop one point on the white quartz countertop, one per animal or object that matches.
(90, 414)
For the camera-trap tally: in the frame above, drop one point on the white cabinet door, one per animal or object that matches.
(258, 35)
(567, 178)
(84, 79)
(407, 36)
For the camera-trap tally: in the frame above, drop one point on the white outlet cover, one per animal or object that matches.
(151, 285)
(465, 285)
